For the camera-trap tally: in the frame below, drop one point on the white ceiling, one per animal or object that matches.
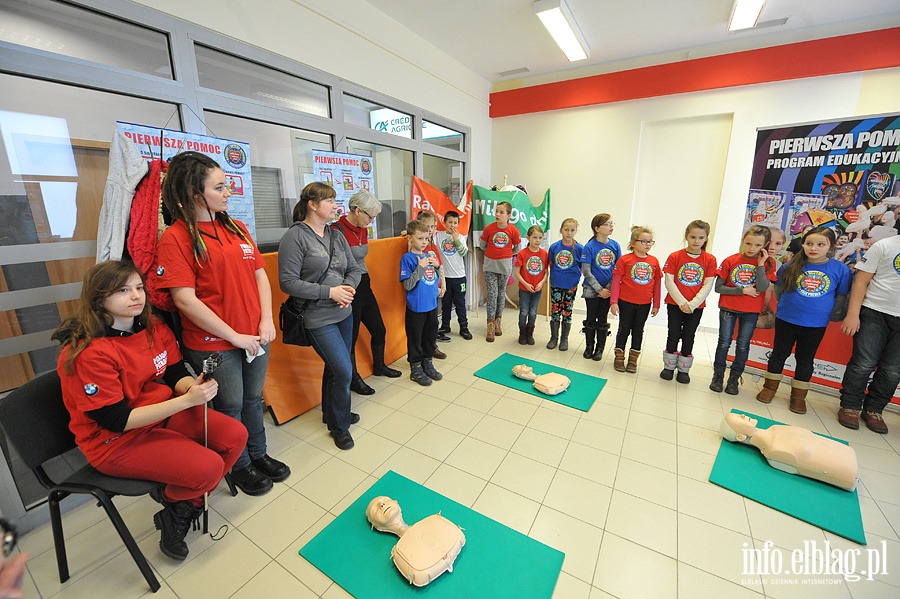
(493, 36)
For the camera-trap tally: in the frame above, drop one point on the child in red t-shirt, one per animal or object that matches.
(531, 271)
(500, 241)
(635, 295)
(689, 274)
(741, 282)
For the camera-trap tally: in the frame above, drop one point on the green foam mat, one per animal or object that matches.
(496, 561)
(581, 394)
(743, 469)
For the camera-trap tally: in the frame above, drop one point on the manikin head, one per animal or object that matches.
(738, 427)
(384, 514)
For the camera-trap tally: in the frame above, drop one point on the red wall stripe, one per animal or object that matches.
(844, 54)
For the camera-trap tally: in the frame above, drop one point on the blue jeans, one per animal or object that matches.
(332, 342)
(746, 324)
(876, 344)
(528, 307)
(240, 395)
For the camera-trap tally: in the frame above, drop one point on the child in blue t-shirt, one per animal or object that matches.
(420, 275)
(597, 263)
(565, 273)
(812, 290)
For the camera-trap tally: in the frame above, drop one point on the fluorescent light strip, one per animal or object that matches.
(744, 14)
(562, 30)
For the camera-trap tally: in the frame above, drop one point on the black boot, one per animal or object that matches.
(718, 380)
(417, 374)
(564, 336)
(356, 383)
(554, 334)
(589, 333)
(734, 379)
(602, 334)
(173, 521)
(430, 371)
(464, 331)
(250, 480)
(380, 368)
(529, 334)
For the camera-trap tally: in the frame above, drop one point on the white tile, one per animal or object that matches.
(642, 522)
(706, 501)
(456, 484)
(476, 457)
(578, 497)
(282, 522)
(274, 582)
(711, 548)
(370, 451)
(542, 447)
(399, 427)
(650, 451)
(592, 464)
(435, 441)
(330, 482)
(424, 407)
(506, 507)
(513, 410)
(227, 565)
(697, 584)
(647, 482)
(458, 418)
(411, 464)
(652, 426)
(630, 571)
(497, 431)
(569, 587)
(553, 422)
(599, 436)
(578, 540)
(524, 476)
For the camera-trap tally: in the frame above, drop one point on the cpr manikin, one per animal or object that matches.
(796, 450)
(426, 549)
(551, 383)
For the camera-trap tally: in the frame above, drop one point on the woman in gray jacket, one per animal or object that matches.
(306, 271)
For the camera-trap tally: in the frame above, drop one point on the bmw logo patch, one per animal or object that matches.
(91, 389)
(160, 271)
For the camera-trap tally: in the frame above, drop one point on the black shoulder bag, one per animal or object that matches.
(290, 317)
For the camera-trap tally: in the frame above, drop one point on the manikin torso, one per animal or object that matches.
(796, 450)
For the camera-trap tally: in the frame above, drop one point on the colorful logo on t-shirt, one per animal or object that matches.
(690, 274)
(642, 273)
(743, 275)
(430, 276)
(160, 271)
(235, 155)
(448, 247)
(813, 283)
(91, 389)
(564, 259)
(534, 266)
(500, 239)
(248, 251)
(605, 259)
(897, 264)
(431, 254)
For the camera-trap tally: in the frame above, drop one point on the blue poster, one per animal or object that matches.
(232, 156)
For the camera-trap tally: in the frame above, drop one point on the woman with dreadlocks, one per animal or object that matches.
(216, 276)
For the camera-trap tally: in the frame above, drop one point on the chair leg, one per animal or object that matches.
(59, 540)
(128, 539)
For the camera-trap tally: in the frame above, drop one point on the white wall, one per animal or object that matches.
(353, 41)
(588, 156)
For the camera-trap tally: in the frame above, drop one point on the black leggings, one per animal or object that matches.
(631, 322)
(597, 311)
(682, 327)
(807, 340)
(366, 311)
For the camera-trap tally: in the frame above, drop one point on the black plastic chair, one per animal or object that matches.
(37, 422)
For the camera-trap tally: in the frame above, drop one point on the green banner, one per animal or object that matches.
(524, 214)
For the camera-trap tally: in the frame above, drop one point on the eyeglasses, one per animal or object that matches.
(366, 213)
(646, 242)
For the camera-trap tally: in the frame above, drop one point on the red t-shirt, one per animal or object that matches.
(738, 271)
(534, 265)
(689, 273)
(225, 281)
(501, 243)
(640, 276)
(108, 370)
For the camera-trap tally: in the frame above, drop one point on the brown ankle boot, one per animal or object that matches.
(490, 331)
(799, 389)
(633, 355)
(770, 386)
(497, 331)
(619, 362)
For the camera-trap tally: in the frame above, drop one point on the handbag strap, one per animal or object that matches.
(327, 266)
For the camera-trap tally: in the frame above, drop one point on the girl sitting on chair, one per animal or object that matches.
(136, 410)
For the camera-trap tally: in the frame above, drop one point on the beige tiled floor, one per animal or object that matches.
(621, 489)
